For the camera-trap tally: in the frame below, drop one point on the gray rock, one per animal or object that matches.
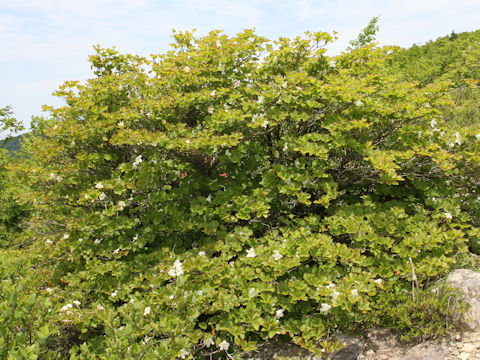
(468, 282)
(427, 351)
(351, 350)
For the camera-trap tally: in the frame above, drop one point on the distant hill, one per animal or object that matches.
(453, 58)
(13, 144)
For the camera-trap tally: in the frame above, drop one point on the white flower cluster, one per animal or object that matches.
(279, 313)
(324, 308)
(276, 255)
(208, 343)
(121, 204)
(224, 345)
(176, 269)
(183, 354)
(137, 161)
(55, 177)
(251, 253)
(66, 308)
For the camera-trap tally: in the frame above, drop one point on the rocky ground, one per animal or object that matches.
(384, 345)
(381, 345)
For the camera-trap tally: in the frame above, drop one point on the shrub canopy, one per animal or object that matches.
(235, 189)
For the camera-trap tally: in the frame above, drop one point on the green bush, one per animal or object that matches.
(26, 321)
(236, 189)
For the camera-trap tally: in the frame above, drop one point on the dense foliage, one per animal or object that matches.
(234, 189)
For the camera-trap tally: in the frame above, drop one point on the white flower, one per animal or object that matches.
(478, 136)
(97, 241)
(251, 253)
(334, 294)
(210, 110)
(122, 204)
(66, 236)
(448, 215)
(137, 161)
(114, 294)
(279, 313)
(99, 185)
(176, 269)
(135, 238)
(121, 124)
(224, 345)
(100, 307)
(332, 63)
(53, 176)
(183, 354)
(458, 138)
(276, 255)
(252, 292)
(201, 253)
(186, 69)
(284, 85)
(66, 307)
(378, 281)
(208, 343)
(354, 292)
(325, 307)
(86, 196)
(49, 242)
(358, 103)
(434, 199)
(260, 99)
(116, 251)
(218, 43)
(147, 311)
(285, 147)
(213, 93)
(200, 292)
(330, 286)
(433, 123)
(132, 300)
(77, 303)
(265, 124)
(236, 83)
(102, 196)
(187, 141)
(49, 290)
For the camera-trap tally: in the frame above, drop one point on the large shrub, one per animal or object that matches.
(235, 189)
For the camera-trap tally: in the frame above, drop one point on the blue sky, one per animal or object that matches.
(47, 42)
